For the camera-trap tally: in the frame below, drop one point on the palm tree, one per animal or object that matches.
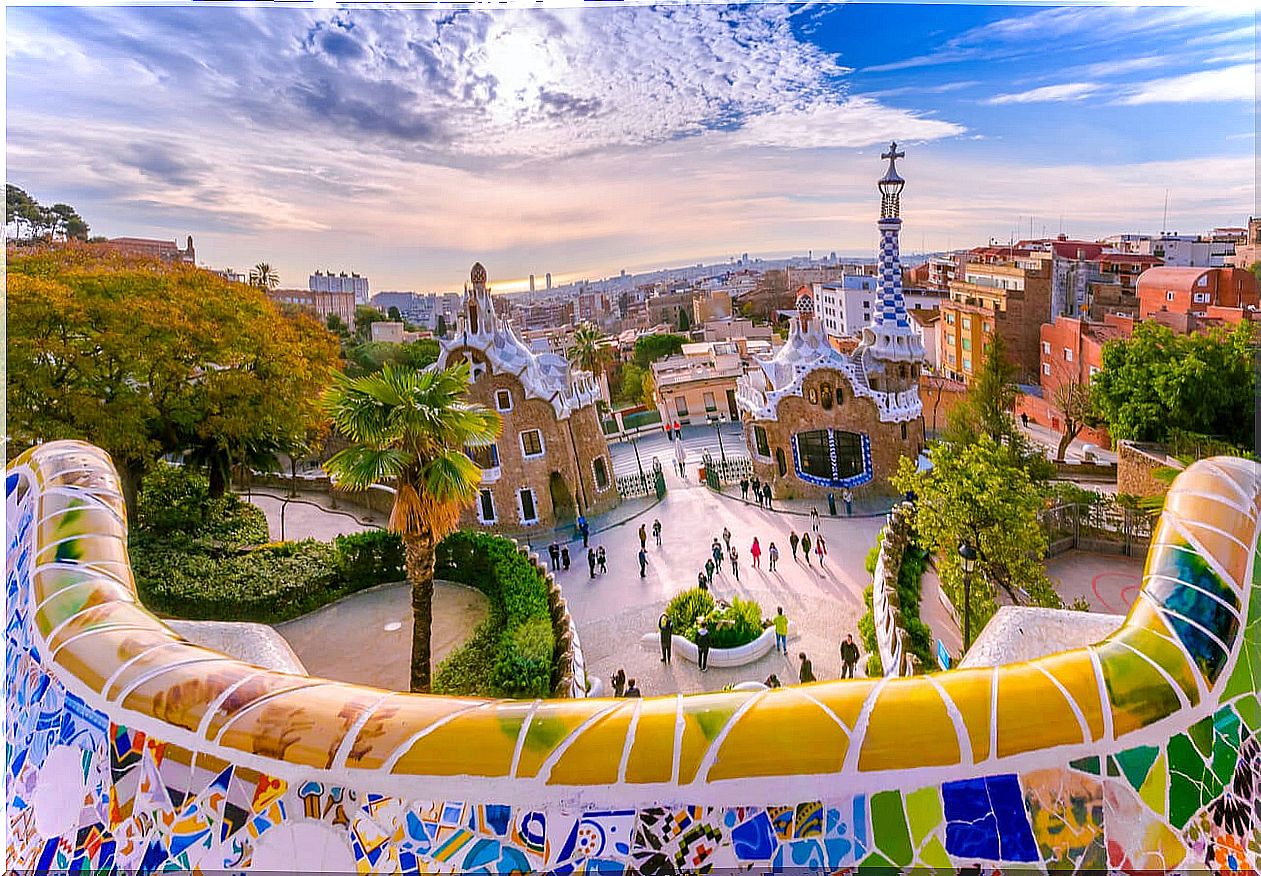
(264, 276)
(586, 352)
(408, 429)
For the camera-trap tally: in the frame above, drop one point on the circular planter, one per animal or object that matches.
(742, 656)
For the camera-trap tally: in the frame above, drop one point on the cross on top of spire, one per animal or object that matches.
(893, 154)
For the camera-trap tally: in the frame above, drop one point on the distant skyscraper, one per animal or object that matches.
(322, 281)
(548, 279)
(531, 282)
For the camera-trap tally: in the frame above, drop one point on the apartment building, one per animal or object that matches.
(1009, 298)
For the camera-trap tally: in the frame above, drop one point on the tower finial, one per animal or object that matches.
(891, 184)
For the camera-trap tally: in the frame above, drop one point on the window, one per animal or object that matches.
(780, 463)
(950, 319)
(825, 396)
(967, 343)
(1169, 296)
(1068, 355)
(814, 396)
(1200, 298)
(967, 322)
(967, 363)
(486, 507)
(814, 453)
(601, 469)
(680, 407)
(531, 443)
(904, 431)
(1093, 370)
(1046, 368)
(710, 406)
(831, 457)
(485, 456)
(527, 507)
(1046, 347)
(760, 444)
(503, 400)
(950, 338)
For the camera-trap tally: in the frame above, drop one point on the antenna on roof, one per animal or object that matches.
(1164, 217)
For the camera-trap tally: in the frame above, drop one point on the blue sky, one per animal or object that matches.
(405, 144)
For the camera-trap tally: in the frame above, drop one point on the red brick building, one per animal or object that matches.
(166, 250)
(1196, 291)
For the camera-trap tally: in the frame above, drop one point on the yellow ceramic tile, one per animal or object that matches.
(1076, 672)
(652, 752)
(971, 692)
(844, 698)
(804, 738)
(396, 720)
(1167, 656)
(304, 726)
(594, 757)
(1139, 695)
(255, 690)
(908, 727)
(704, 716)
(553, 722)
(1032, 713)
(478, 743)
(182, 695)
(98, 601)
(93, 659)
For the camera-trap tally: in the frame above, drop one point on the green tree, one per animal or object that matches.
(1072, 398)
(337, 326)
(365, 316)
(976, 493)
(1155, 383)
(631, 389)
(144, 358)
(650, 348)
(33, 221)
(264, 276)
(441, 330)
(408, 429)
(395, 314)
(685, 321)
(369, 358)
(588, 351)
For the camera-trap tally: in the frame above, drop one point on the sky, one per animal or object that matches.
(406, 144)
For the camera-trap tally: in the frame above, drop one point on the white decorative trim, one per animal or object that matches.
(521, 508)
(507, 392)
(608, 473)
(494, 510)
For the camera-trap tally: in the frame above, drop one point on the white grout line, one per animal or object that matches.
(707, 762)
(1082, 723)
(966, 755)
(353, 731)
(521, 734)
(1105, 701)
(630, 741)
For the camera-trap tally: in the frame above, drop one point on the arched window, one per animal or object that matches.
(813, 396)
(832, 457)
(825, 396)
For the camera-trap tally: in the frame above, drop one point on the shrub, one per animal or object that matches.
(686, 607)
(737, 624)
(514, 656)
(368, 558)
(175, 499)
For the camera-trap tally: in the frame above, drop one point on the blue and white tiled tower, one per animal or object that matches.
(891, 339)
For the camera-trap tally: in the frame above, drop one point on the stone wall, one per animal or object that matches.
(853, 414)
(895, 652)
(1135, 465)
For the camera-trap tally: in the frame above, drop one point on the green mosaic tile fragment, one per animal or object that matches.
(1225, 745)
(1135, 762)
(875, 864)
(1113, 772)
(1086, 765)
(1191, 783)
(924, 812)
(888, 825)
(1201, 733)
(1250, 710)
(934, 855)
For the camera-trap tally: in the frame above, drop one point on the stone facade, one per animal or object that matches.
(1135, 466)
(888, 442)
(551, 461)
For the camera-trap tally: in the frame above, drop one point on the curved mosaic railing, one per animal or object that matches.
(131, 748)
(892, 639)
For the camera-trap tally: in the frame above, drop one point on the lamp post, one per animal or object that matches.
(717, 422)
(967, 554)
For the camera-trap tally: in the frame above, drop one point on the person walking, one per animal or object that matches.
(849, 657)
(831, 504)
(756, 552)
(735, 565)
(766, 494)
(665, 628)
(726, 538)
(1024, 419)
(702, 579)
(643, 536)
(709, 572)
(806, 673)
(702, 645)
(821, 549)
(585, 529)
(744, 489)
(805, 546)
(847, 495)
(553, 551)
(564, 558)
(757, 487)
(781, 631)
(772, 681)
(643, 562)
(792, 543)
(591, 561)
(656, 531)
(619, 682)
(716, 550)
(602, 560)
(757, 496)
(814, 520)
(772, 553)
(632, 689)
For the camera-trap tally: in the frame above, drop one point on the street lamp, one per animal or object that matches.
(967, 554)
(717, 422)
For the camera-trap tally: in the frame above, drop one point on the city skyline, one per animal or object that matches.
(406, 144)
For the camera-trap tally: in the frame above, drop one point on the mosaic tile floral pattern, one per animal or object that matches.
(129, 749)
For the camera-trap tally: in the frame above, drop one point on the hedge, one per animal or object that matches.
(207, 559)
(513, 652)
(920, 635)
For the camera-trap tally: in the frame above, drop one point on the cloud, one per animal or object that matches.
(1224, 84)
(1048, 93)
(855, 123)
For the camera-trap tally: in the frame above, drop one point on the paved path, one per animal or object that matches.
(1109, 582)
(310, 515)
(366, 638)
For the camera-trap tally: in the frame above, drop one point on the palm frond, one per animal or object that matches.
(451, 477)
(356, 413)
(360, 466)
